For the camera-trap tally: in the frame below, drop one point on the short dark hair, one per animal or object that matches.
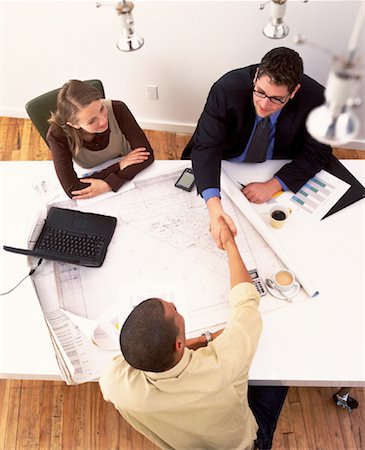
(283, 66)
(147, 338)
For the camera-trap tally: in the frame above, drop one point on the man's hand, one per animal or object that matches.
(216, 211)
(226, 236)
(262, 192)
(96, 187)
(136, 156)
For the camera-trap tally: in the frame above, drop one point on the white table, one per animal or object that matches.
(318, 342)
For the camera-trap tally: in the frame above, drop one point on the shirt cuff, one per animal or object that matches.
(283, 185)
(211, 192)
(114, 181)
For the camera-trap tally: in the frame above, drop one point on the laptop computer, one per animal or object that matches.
(73, 236)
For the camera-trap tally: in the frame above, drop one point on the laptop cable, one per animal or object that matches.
(21, 281)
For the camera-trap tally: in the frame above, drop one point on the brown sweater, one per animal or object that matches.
(62, 157)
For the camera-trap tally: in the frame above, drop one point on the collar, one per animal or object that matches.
(175, 371)
(273, 117)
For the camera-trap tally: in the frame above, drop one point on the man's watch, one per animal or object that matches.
(208, 336)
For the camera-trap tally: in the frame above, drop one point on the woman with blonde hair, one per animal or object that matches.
(88, 130)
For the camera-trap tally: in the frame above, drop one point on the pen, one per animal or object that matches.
(277, 194)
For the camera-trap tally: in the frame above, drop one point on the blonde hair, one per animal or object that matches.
(71, 99)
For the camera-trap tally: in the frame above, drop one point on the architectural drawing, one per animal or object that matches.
(162, 237)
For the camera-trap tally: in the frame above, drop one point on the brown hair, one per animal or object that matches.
(283, 66)
(73, 97)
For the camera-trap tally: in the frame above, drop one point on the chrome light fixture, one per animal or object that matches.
(276, 28)
(129, 40)
(335, 122)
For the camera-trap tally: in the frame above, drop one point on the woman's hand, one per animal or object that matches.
(136, 156)
(96, 187)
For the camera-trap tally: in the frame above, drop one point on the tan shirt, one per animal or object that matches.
(201, 403)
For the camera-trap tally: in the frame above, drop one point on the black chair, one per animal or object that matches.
(39, 108)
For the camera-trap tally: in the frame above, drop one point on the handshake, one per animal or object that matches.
(225, 234)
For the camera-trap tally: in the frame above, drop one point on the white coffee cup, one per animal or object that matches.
(279, 215)
(283, 279)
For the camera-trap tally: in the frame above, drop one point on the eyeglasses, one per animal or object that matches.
(275, 100)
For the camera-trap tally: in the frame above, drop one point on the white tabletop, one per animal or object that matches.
(317, 342)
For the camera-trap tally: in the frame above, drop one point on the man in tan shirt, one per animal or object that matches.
(193, 394)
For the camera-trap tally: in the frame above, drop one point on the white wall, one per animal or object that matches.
(188, 45)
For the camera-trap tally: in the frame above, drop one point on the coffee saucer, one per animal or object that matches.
(288, 294)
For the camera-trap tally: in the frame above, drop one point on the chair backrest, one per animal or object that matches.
(39, 108)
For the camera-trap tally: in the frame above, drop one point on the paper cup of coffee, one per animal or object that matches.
(283, 279)
(278, 215)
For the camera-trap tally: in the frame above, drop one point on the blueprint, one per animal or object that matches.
(162, 247)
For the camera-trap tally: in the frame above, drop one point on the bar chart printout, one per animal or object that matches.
(313, 194)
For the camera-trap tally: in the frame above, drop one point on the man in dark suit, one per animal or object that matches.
(233, 127)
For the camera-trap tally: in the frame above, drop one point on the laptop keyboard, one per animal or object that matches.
(63, 242)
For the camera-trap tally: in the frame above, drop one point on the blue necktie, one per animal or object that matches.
(260, 140)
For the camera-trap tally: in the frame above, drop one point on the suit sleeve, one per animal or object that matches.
(312, 158)
(308, 155)
(209, 140)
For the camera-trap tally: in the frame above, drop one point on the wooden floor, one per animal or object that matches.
(51, 415)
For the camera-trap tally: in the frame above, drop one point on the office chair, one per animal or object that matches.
(39, 108)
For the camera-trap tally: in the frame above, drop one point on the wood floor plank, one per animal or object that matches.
(352, 429)
(342, 153)
(332, 417)
(315, 419)
(357, 418)
(298, 424)
(57, 416)
(11, 150)
(25, 425)
(284, 426)
(182, 140)
(12, 423)
(290, 442)
(5, 406)
(96, 427)
(70, 415)
(4, 126)
(45, 416)
(34, 415)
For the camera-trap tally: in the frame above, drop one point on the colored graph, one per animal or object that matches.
(313, 194)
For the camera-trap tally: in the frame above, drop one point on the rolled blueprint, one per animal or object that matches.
(256, 221)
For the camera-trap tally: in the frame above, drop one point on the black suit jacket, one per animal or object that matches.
(226, 125)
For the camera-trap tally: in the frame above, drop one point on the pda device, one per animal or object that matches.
(257, 282)
(186, 180)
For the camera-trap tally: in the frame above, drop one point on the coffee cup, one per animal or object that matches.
(278, 215)
(283, 279)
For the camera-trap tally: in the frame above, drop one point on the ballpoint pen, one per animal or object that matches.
(275, 195)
